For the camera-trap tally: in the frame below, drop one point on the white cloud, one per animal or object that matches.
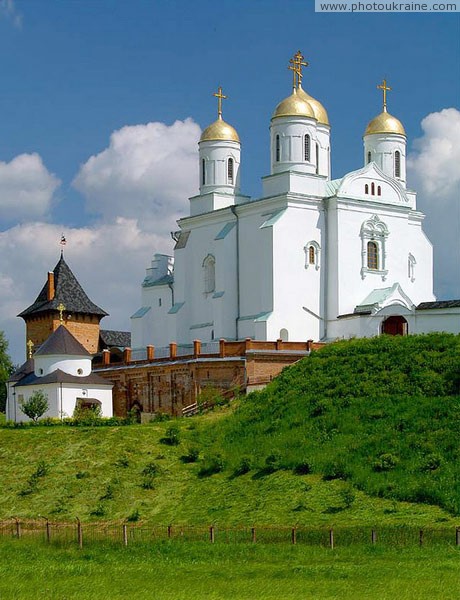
(433, 170)
(26, 188)
(8, 10)
(147, 170)
(108, 260)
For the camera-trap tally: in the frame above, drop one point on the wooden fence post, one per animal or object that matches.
(420, 537)
(457, 536)
(211, 534)
(125, 534)
(294, 535)
(253, 535)
(331, 538)
(48, 531)
(18, 528)
(79, 533)
(169, 531)
(374, 536)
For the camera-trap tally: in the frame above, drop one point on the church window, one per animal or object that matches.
(277, 148)
(284, 335)
(366, 189)
(373, 188)
(379, 191)
(317, 159)
(369, 155)
(374, 234)
(312, 251)
(203, 172)
(80, 371)
(397, 163)
(411, 262)
(307, 146)
(372, 255)
(159, 301)
(230, 171)
(209, 267)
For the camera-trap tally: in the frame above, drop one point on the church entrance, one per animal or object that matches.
(395, 325)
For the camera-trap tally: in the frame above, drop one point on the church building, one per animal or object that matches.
(314, 258)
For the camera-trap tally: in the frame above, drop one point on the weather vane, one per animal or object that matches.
(219, 95)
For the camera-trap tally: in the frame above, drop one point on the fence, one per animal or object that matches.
(81, 534)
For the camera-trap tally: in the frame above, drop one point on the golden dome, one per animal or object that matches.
(318, 108)
(294, 106)
(385, 123)
(219, 130)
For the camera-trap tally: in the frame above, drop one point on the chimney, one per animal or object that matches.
(50, 293)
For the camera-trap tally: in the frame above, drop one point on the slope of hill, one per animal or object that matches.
(363, 432)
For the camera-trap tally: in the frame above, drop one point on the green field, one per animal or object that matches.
(189, 571)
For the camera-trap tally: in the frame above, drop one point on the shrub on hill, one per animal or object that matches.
(382, 413)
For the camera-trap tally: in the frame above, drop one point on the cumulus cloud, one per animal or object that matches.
(433, 170)
(147, 170)
(26, 188)
(109, 260)
(9, 11)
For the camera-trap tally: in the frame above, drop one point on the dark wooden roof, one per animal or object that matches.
(59, 376)
(62, 342)
(68, 291)
(111, 339)
(23, 370)
(438, 304)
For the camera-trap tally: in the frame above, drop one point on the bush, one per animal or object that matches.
(172, 436)
(134, 516)
(35, 406)
(191, 456)
(87, 415)
(243, 467)
(150, 470)
(303, 468)
(213, 464)
(335, 470)
(385, 462)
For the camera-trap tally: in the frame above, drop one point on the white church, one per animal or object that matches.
(314, 258)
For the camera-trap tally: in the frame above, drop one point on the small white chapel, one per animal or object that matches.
(314, 258)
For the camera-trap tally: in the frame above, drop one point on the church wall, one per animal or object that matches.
(83, 327)
(297, 283)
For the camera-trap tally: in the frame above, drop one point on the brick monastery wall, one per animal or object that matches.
(173, 383)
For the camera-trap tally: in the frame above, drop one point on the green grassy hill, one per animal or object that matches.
(363, 432)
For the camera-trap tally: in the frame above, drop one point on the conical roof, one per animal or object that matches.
(62, 342)
(67, 291)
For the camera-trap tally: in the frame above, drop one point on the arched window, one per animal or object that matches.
(284, 335)
(372, 255)
(366, 189)
(230, 171)
(317, 159)
(277, 148)
(411, 262)
(203, 172)
(312, 255)
(209, 268)
(307, 147)
(373, 188)
(397, 163)
(379, 191)
(369, 157)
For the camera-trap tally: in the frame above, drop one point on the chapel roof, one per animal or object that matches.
(59, 376)
(109, 338)
(68, 292)
(62, 342)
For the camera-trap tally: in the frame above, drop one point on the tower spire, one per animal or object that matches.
(219, 95)
(62, 243)
(385, 88)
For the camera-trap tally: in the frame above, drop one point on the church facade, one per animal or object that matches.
(313, 258)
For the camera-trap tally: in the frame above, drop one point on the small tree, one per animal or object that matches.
(36, 405)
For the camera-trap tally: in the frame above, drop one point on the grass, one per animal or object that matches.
(177, 571)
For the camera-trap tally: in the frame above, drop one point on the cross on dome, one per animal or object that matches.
(220, 96)
(383, 86)
(295, 65)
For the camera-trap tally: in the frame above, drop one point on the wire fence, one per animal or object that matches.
(128, 534)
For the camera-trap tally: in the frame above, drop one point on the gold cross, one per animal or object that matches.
(219, 95)
(30, 345)
(297, 62)
(61, 309)
(384, 89)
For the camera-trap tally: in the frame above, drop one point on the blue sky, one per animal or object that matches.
(74, 72)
